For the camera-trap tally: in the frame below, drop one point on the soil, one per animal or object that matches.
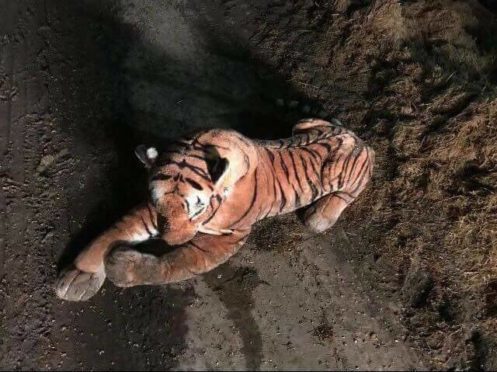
(406, 280)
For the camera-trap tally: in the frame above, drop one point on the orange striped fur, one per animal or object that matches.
(206, 192)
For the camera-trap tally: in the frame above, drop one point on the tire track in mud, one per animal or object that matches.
(26, 316)
(6, 82)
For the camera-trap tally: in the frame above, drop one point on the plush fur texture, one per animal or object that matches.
(206, 192)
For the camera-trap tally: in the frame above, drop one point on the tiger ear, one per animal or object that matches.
(146, 155)
(217, 166)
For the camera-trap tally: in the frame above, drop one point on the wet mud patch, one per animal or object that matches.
(234, 286)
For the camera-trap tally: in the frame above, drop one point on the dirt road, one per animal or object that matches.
(82, 83)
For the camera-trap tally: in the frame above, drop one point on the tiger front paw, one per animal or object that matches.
(76, 285)
(127, 267)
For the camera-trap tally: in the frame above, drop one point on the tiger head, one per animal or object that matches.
(190, 180)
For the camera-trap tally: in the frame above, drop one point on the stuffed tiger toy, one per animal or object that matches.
(206, 192)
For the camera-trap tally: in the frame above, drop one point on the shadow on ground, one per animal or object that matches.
(113, 90)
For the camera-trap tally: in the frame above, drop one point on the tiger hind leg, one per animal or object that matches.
(324, 213)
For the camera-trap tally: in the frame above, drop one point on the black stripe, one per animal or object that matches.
(348, 175)
(311, 185)
(332, 165)
(283, 197)
(246, 160)
(298, 203)
(314, 169)
(198, 247)
(199, 171)
(270, 201)
(146, 227)
(342, 173)
(272, 174)
(336, 195)
(362, 173)
(326, 145)
(360, 180)
(316, 190)
(315, 155)
(329, 147)
(150, 214)
(283, 166)
(252, 202)
(297, 177)
(366, 161)
(160, 177)
(212, 202)
(199, 157)
(270, 154)
(198, 146)
(219, 199)
(282, 193)
(346, 193)
(287, 173)
(361, 169)
(194, 184)
(292, 185)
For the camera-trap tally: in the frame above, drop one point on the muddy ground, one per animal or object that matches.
(406, 280)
